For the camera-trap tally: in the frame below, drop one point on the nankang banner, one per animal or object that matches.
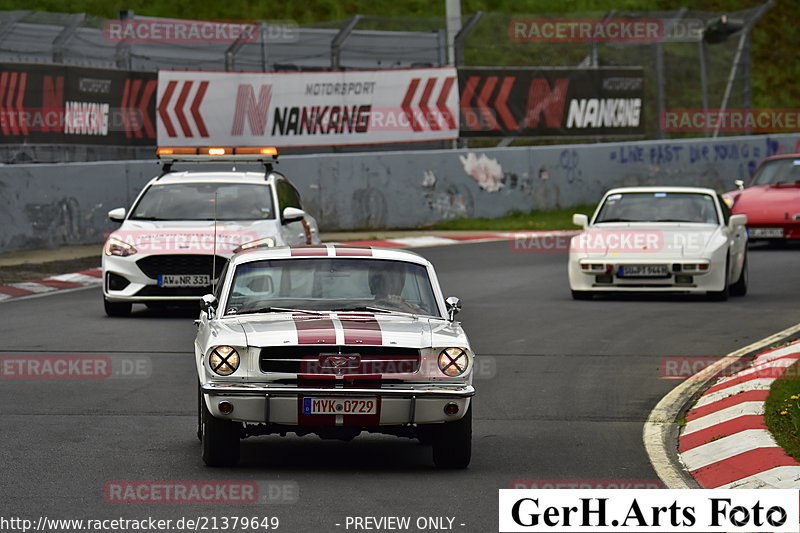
(70, 105)
(306, 109)
(551, 102)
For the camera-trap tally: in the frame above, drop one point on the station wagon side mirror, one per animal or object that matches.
(117, 215)
(739, 184)
(737, 220)
(453, 307)
(208, 303)
(292, 214)
(580, 220)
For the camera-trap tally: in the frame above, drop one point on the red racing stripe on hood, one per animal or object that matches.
(361, 329)
(314, 330)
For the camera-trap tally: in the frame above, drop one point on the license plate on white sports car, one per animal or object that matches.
(643, 271)
(184, 280)
(765, 233)
(340, 406)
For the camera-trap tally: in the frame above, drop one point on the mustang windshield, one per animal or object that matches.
(778, 172)
(331, 284)
(658, 207)
(195, 201)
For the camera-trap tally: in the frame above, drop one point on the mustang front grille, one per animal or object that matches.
(339, 360)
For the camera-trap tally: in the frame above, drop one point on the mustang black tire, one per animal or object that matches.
(117, 308)
(452, 442)
(582, 295)
(220, 439)
(740, 287)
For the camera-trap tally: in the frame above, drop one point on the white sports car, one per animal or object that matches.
(681, 239)
(332, 340)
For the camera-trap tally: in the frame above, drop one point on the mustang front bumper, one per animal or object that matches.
(279, 404)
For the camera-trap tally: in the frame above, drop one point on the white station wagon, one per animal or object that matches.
(332, 340)
(185, 224)
(660, 239)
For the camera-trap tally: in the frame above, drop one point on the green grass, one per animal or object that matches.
(515, 220)
(785, 427)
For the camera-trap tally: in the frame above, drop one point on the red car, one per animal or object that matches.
(771, 201)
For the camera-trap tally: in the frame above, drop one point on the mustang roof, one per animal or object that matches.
(329, 250)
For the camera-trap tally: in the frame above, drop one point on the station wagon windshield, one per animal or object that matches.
(328, 284)
(658, 207)
(205, 201)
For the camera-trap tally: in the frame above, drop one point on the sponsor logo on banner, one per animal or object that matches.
(56, 104)
(497, 102)
(307, 109)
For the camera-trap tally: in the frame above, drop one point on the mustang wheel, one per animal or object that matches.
(117, 308)
(740, 287)
(220, 439)
(452, 442)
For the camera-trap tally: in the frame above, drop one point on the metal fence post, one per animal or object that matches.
(338, 41)
(65, 35)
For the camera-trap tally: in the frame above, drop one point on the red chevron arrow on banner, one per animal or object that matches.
(501, 101)
(412, 88)
(135, 117)
(483, 103)
(178, 108)
(441, 103)
(162, 108)
(470, 118)
(12, 91)
(423, 104)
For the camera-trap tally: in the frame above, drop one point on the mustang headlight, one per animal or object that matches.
(266, 242)
(223, 360)
(453, 361)
(117, 247)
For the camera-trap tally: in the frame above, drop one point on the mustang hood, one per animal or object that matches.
(350, 329)
(193, 237)
(769, 204)
(646, 241)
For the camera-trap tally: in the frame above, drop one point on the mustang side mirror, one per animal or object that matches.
(739, 184)
(117, 215)
(292, 214)
(580, 220)
(208, 303)
(737, 220)
(453, 307)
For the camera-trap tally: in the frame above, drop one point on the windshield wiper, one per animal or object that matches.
(279, 310)
(374, 310)
(149, 218)
(615, 220)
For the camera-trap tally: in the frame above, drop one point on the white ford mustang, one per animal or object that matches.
(681, 239)
(332, 340)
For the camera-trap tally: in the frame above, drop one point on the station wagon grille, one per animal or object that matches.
(155, 265)
(339, 360)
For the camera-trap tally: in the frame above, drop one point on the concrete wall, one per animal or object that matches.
(52, 204)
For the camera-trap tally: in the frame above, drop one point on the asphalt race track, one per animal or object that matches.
(564, 395)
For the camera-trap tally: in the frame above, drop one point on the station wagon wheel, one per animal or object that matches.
(452, 442)
(220, 439)
(117, 308)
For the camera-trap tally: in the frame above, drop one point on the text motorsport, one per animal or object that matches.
(674, 511)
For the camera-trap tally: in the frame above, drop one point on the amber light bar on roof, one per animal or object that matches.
(217, 153)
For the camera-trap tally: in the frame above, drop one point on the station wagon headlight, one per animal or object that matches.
(117, 247)
(223, 360)
(266, 242)
(453, 361)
